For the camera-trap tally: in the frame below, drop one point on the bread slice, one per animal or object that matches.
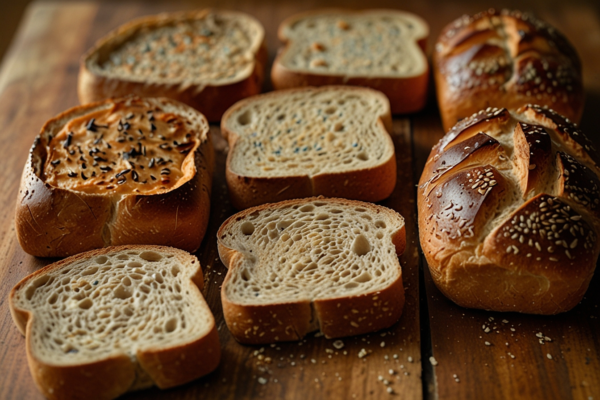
(311, 264)
(109, 321)
(208, 59)
(380, 49)
(330, 141)
(125, 171)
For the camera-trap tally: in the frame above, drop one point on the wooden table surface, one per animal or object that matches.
(480, 355)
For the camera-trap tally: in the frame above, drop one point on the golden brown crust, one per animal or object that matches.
(55, 222)
(335, 317)
(406, 94)
(210, 99)
(505, 59)
(525, 239)
(111, 377)
(369, 184)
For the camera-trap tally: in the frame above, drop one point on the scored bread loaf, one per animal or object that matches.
(505, 59)
(380, 49)
(509, 211)
(311, 264)
(207, 59)
(125, 171)
(109, 321)
(330, 141)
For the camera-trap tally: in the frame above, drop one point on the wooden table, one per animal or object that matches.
(38, 80)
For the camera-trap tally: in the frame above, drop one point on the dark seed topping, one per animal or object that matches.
(129, 116)
(55, 162)
(120, 174)
(151, 163)
(165, 146)
(105, 168)
(83, 166)
(121, 139)
(134, 176)
(68, 140)
(153, 178)
(72, 174)
(152, 126)
(165, 171)
(99, 139)
(100, 159)
(122, 181)
(126, 126)
(83, 176)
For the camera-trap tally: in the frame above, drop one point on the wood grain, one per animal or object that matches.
(38, 80)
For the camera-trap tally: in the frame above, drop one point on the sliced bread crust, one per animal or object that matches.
(57, 221)
(208, 95)
(311, 264)
(110, 371)
(331, 141)
(405, 87)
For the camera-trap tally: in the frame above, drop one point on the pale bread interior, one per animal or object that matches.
(311, 250)
(375, 43)
(116, 303)
(309, 132)
(198, 47)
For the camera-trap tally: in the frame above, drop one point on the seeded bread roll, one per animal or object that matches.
(207, 59)
(109, 321)
(509, 211)
(505, 59)
(311, 264)
(330, 141)
(380, 49)
(126, 171)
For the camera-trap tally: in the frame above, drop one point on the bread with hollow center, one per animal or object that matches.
(125, 171)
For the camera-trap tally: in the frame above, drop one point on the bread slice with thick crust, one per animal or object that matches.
(509, 206)
(331, 141)
(380, 49)
(113, 320)
(311, 264)
(125, 171)
(207, 59)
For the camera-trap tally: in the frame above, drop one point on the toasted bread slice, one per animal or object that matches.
(380, 49)
(208, 59)
(330, 141)
(311, 264)
(109, 321)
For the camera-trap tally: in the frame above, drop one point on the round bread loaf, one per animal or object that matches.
(509, 211)
(505, 59)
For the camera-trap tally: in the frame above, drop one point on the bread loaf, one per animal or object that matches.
(505, 59)
(380, 49)
(109, 321)
(509, 211)
(207, 59)
(311, 264)
(126, 171)
(330, 141)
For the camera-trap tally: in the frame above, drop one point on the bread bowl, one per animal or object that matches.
(124, 171)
